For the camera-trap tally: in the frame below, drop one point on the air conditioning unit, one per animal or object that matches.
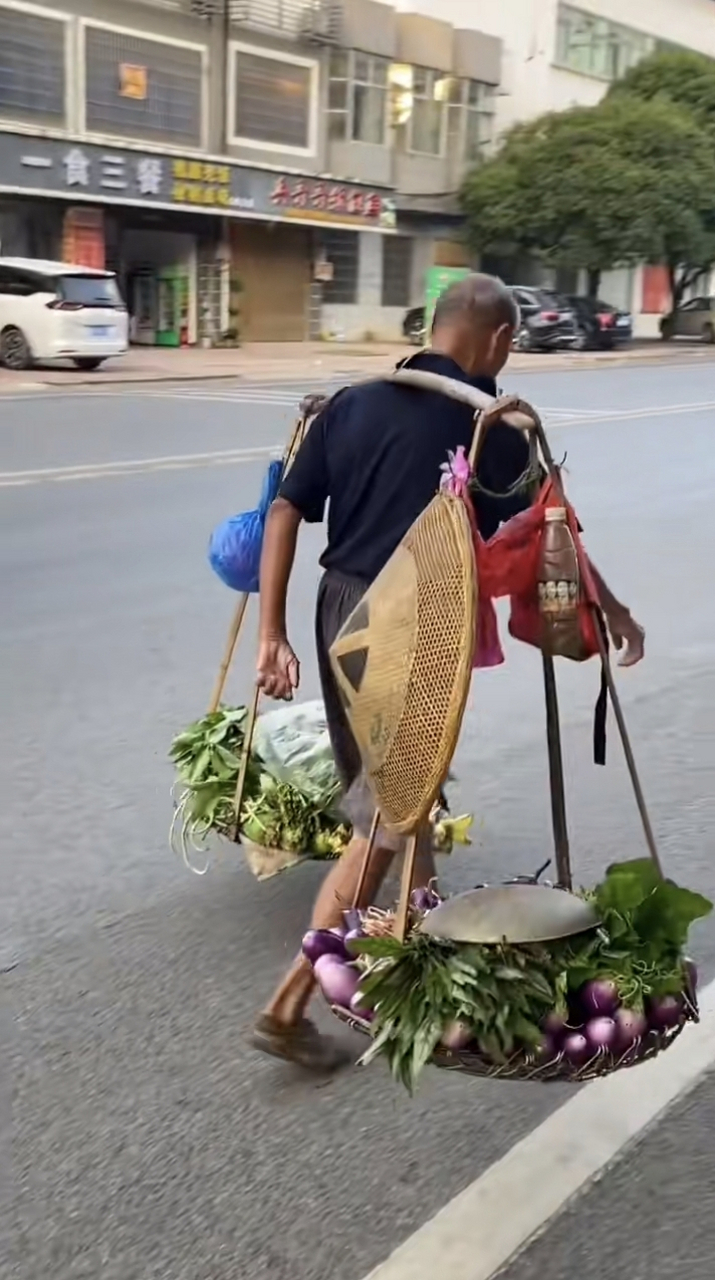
(322, 22)
(206, 8)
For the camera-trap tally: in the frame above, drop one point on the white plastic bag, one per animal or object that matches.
(294, 745)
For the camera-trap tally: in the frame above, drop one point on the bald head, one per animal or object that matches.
(480, 301)
(474, 323)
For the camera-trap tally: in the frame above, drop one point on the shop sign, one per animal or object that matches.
(196, 182)
(334, 201)
(57, 167)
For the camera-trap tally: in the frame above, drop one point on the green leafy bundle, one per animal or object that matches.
(207, 757)
(645, 921)
(419, 988)
(281, 817)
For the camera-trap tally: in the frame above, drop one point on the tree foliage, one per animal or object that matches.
(682, 77)
(627, 181)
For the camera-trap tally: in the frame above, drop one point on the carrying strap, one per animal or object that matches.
(510, 409)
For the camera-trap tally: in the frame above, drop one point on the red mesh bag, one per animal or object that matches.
(525, 622)
(508, 564)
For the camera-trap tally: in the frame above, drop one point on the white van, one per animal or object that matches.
(54, 311)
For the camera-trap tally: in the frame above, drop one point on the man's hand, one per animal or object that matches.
(627, 636)
(278, 669)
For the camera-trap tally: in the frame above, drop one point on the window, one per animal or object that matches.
(430, 90)
(32, 66)
(597, 47)
(357, 97)
(273, 100)
(89, 291)
(396, 270)
(342, 249)
(470, 119)
(138, 87)
(23, 284)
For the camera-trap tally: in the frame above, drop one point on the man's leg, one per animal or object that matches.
(282, 1030)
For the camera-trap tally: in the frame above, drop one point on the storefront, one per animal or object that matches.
(204, 250)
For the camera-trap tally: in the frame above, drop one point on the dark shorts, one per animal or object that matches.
(338, 595)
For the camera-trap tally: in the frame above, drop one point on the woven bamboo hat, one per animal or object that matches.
(403, 662)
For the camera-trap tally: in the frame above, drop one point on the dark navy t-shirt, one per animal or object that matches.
(374, 455)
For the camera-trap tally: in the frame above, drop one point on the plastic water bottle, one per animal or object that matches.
(559, 587)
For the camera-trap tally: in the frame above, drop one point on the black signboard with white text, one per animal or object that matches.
(74, 170)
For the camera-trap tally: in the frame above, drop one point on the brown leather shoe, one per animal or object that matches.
(301, 1044)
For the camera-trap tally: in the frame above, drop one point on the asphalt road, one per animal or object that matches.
(149, 1141)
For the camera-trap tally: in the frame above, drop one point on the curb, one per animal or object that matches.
(546, 364)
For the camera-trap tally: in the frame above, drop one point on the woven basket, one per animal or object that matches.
(525, 1066)
(266, 862)
(403, 662)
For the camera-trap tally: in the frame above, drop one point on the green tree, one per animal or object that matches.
(681, 76)
(624, 182)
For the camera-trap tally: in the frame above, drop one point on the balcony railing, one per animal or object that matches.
(315, 21)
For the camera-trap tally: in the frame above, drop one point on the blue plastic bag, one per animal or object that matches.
(235, 545)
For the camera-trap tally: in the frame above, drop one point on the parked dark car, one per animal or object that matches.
(413, 325)
(547, 320)
(601, 327)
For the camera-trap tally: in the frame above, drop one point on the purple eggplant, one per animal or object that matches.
(337, 980)
(665, 1012)
(601, 1033)
(577, 1049)
(599, 999)
(322, 942)
(631, 1026)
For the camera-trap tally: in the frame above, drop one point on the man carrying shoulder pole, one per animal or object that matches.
(374, 455)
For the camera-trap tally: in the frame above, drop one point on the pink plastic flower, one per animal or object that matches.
(456, 472)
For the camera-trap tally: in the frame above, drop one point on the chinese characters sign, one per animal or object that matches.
(195, 182)
(56, 167)
(308, 195)
(142, 175)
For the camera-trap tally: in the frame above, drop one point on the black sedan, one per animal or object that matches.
(600, 325)
(547, 320)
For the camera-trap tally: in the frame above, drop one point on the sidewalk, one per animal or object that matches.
(302, 361)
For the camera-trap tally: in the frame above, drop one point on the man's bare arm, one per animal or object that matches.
(627, 635)
(278, 671)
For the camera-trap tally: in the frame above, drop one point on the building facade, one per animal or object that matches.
(277, 169)
(282, 169)
(559, 55)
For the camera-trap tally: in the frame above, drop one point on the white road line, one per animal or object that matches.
(10, 479)
(250, 397)
(137, 466)
(495, 1218)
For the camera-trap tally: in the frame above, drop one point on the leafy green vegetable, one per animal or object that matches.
(207, 756)
(416, 989)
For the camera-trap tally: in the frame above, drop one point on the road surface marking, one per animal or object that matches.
(493, 1220)
(98, 471)
(137, 466)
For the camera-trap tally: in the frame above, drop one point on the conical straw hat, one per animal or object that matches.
(403, 662)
